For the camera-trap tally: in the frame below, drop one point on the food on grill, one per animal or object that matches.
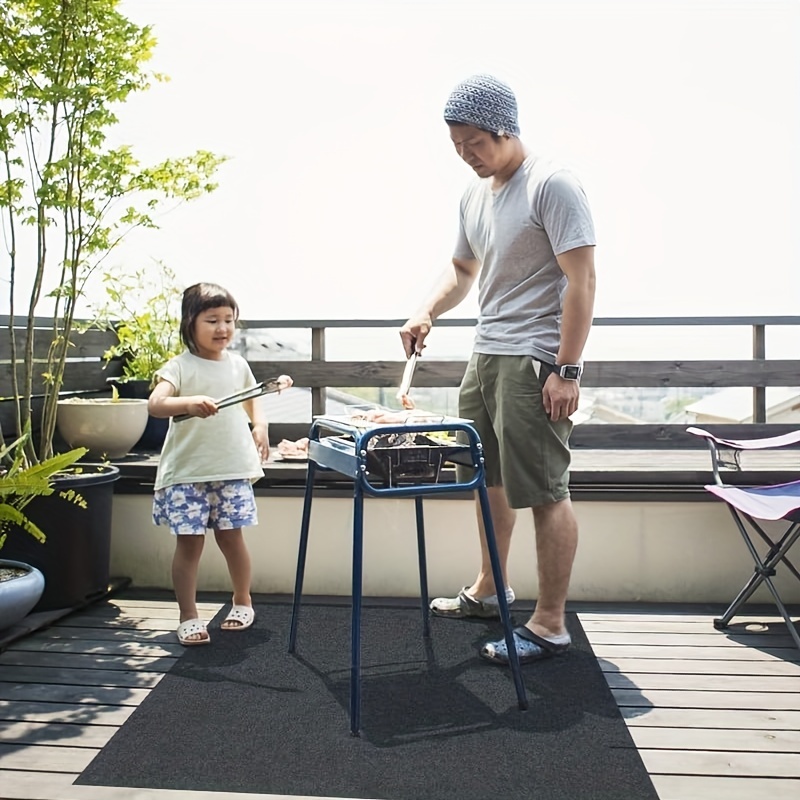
(290, 449)
(407, 402)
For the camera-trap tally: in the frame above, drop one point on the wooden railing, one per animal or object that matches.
(88, 373)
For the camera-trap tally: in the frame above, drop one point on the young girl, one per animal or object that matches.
(209, 461)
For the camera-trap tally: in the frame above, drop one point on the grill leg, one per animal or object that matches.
(355, 621)
(423, 566)
(497, 574)
(301, 554)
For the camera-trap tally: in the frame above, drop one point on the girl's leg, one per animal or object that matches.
(185, 563)
(234, 549)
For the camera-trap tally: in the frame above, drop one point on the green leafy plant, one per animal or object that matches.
(143, 308)
(68, 198)
(20, 482)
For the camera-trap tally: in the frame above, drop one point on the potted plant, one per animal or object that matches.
(21, 584)
(108, 427)
(67, 200)
(143, 308)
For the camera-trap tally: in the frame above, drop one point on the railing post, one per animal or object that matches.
(318, 393)
(759, 392)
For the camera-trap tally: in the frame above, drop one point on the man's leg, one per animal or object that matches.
(503, 519)
(480, 599)
(556, 544)
(545, 634)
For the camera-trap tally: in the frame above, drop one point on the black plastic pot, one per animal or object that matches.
(76, 519)
(152, 440)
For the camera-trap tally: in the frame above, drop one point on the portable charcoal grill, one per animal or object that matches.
(408, 462)
(392, 455)
(403, 457)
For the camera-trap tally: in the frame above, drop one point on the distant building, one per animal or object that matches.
(735, 405)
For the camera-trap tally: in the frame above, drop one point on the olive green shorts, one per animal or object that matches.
(524, 451)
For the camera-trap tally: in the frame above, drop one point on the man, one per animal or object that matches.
(526, 234)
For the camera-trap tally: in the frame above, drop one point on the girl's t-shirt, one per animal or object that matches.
(216, 448)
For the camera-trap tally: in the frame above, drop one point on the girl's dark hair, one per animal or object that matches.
(197, 299)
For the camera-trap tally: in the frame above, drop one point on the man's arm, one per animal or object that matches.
(451, 288)
(578, 310)
(561, 396)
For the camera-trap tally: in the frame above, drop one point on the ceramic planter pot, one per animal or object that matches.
(19, 593)
(109, 428)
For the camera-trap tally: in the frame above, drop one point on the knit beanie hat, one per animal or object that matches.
(483, 102)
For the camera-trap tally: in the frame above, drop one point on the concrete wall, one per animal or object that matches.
(629, 551)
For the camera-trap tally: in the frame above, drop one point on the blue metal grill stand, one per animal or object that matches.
(350, 458)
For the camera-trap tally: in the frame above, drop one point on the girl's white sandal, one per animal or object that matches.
(192, 627)
(244, 615)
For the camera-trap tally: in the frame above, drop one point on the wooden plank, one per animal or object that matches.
(39, 643)
(658, 618)
(705, 762)
(25, 785)
(78, 375)
(722, 667)
(22, 785)
(759, 741)
(614, 651)
(689, 628)
(87, 661)
(701, 787)
(767, 701)
(83, 713)
(168, 611)
(67, 693)
(61, 759)
(711, 639)
(80, 677)
(111, 635)
(87, 344)
(146, 624)
(711, 683)
(136, 606)
(56, 734)
(773, 719)
(636, 374)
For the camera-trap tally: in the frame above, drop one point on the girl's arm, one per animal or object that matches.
(163, 403)
(260, 428)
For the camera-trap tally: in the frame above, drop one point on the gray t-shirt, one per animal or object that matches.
(516, 234)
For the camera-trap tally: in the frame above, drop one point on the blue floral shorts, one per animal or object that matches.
(193, 508)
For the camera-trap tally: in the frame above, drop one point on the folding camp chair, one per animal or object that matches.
(748, 504)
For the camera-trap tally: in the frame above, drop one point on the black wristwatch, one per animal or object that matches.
(569, 372)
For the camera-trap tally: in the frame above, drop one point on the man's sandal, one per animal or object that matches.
(529, 646)
(193, 627)
(467, 606)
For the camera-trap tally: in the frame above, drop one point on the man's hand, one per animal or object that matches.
(413, 333)
(560, 397)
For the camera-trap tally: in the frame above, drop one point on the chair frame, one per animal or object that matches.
(726, 454)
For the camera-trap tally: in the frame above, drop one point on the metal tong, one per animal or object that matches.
(408, 375)
(265, 387)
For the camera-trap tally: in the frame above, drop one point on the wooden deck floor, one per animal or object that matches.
(715, 716)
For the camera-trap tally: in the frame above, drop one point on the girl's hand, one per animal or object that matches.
(201, 406)
(261, 440)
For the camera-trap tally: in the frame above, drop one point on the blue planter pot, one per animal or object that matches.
(18, 595)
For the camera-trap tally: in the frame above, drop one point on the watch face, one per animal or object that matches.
(572, 372)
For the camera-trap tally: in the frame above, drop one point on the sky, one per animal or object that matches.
(340, 196)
